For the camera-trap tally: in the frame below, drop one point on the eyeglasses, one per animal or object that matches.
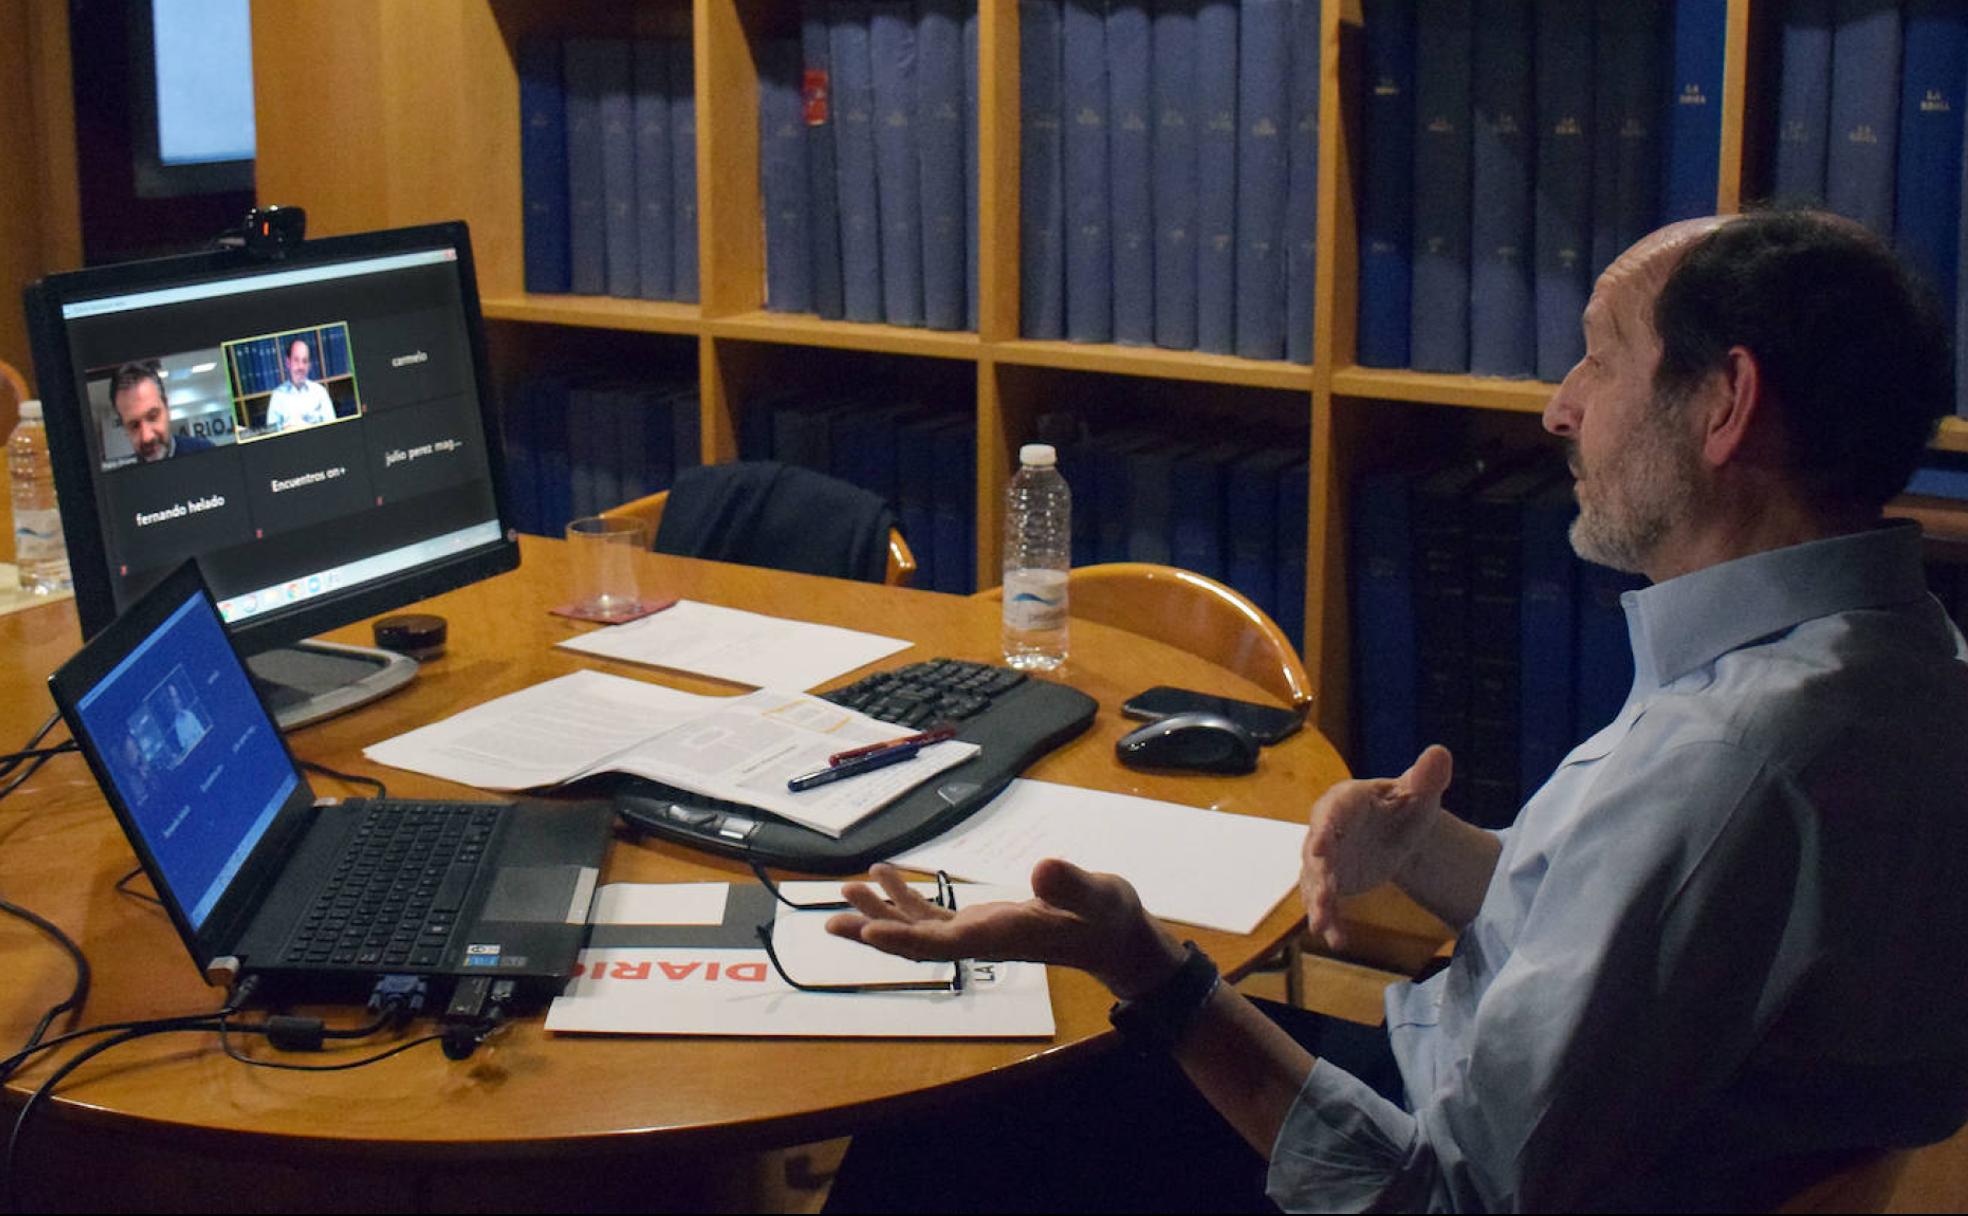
(946, 897)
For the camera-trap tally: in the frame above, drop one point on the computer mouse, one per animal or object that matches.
(1199, 742)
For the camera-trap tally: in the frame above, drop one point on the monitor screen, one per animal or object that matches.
(314, 430)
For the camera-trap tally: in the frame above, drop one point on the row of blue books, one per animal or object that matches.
(1869, 124)
(868, 163)
(1475, 626)
(1234, 509)
(578, 446)
(260, 364)
(1168, 181)
(1513, 148)
(608, 167)
(922, 461)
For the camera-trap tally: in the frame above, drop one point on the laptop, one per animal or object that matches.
(261, 877)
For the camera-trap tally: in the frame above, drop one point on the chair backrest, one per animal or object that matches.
(899, 571)
(1194, 613)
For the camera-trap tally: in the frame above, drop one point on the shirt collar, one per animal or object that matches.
(1690, 621)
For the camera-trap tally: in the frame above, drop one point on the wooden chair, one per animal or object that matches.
(1194, 613)
(901, 567)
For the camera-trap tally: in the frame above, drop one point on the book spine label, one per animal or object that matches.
(1130, 176)
(1438, 322)
(898, 178)
(1562, 200)
(1302, 182)
(1263, 143)
(940, 135)
(655, 202)
(1502, 329)
(1173, 33)
(618, 167)
(1691, 134)
(543, 165)
(586, 178)
(822, 197)
(1865, 111)
(1216, 177)
(1041, 180)
(1386, 220)
(854, 147)
(683, 168)
(1089, 247)
(783, 178)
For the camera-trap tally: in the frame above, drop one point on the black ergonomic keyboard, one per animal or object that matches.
(395, 894)
(1012, 718)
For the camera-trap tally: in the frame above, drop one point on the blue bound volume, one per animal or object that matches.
(683, 168)
(655, 203)
(1928, 199)
(1803, 101)
(1130, 160)
(970, 167)
(1502, 328)
(1691, 155)
(783, 178)
(618, 170)
(1605, 651)
(1216, 176)
(1196, 508)
(915, 494)
(1439, 308)
(1089, 245)
(1546, 631)
(954, 452)
(1865, 111)
(898, 178)
(1386, 203)
(822, 197)
(1173, 32)
(1627, 112)
(1302, 181)
(1383, 625)
(1263, 124)
(1562, 200)
(543, 164)
(586, 181)
(1294, 501)
(1041, 180)
(940, 137)
(1151, 500)
(1250, 525)
(854, 145)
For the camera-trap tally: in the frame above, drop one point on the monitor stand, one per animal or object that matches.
(312, 680)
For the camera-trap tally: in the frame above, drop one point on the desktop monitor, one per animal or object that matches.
(313, 428)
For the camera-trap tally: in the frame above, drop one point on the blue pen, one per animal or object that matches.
(854, 768)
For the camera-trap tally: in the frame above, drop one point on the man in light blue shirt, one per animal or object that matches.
(1726, 945)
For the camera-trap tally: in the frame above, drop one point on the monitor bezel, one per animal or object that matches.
(75, 471)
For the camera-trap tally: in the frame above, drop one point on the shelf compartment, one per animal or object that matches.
(1472, 392)
(1155, 362)
(804, 329)
(597, 312)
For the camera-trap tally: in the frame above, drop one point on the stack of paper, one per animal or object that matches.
(739, 646)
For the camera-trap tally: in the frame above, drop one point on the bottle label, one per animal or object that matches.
(37, 535)
(1035, 599)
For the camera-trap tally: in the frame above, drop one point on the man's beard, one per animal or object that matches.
(1638, 495)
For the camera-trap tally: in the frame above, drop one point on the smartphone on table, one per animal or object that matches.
(1266, 723)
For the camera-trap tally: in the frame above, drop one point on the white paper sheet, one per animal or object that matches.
(743, 647)
(740, 749)
(702, 991)
(1200, 867)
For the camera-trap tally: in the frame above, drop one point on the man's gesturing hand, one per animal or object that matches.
(1363, 833)
(1094, 922)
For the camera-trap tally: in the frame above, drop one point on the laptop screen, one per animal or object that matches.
(194, 758)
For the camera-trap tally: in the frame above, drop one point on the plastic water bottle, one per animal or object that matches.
(38, 547)
(1037, 553)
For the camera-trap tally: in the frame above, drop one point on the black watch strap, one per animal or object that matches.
(1156, 1020)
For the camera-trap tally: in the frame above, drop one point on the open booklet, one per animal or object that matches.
(741, 749)
(684, 958)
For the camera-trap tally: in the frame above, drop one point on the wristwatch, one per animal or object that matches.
(1156, 1020)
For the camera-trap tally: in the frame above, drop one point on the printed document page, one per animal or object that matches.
(741, 749)
(705, 973)
(1200, 867)
(743, 647)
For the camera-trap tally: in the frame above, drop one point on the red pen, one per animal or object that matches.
(935, 734)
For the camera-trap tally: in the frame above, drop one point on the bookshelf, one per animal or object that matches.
(401, 114)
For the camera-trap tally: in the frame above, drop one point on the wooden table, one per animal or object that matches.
(541, 1120)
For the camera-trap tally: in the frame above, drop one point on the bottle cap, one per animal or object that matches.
(1040, 454)
(30, 410)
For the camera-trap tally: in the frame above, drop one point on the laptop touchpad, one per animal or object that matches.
(541, 894)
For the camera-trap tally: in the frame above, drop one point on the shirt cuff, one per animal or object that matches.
(1344, 1148)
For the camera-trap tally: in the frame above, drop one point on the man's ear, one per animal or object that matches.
(1732, 403)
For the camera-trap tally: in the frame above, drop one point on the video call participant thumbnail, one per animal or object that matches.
(137, 394)
(299, 401)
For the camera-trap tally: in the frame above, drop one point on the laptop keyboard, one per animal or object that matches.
(394, 897)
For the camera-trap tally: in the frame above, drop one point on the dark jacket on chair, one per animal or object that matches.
(763, 513)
